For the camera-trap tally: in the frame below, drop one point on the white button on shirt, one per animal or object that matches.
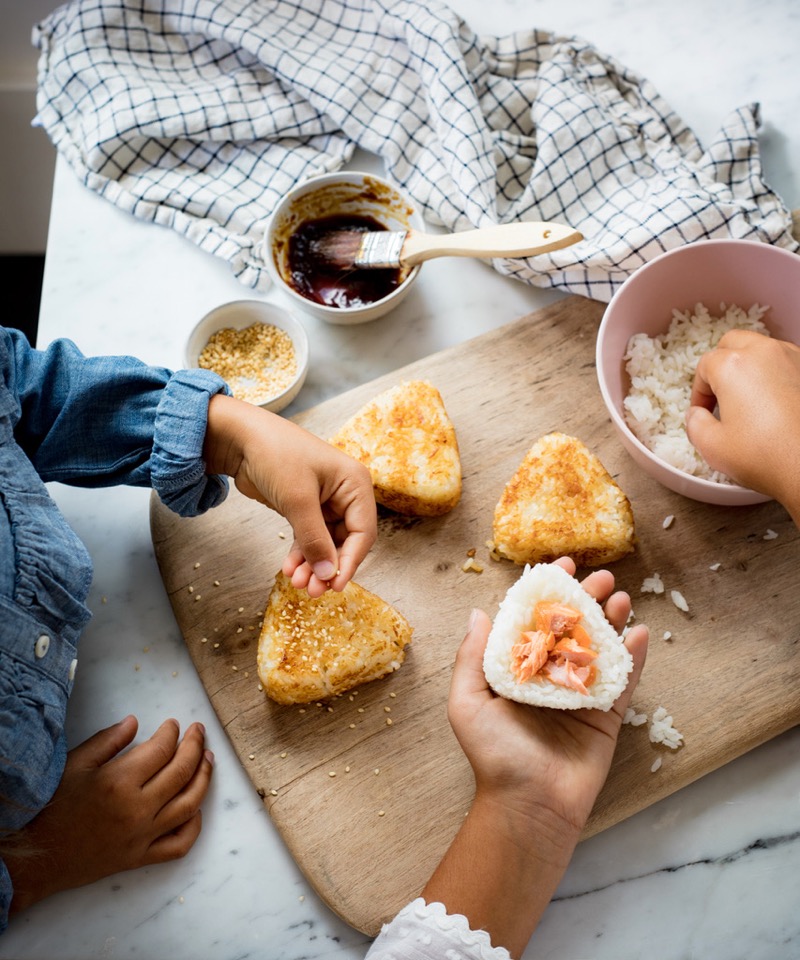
(42, 646)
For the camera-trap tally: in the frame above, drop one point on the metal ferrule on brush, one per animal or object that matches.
(380, 249)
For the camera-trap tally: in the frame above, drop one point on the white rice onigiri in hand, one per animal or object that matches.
(551, 645)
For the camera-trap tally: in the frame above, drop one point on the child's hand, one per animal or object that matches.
(552, 761)
(325, 495)
(114, 811)
(537, 774)
(755, 381)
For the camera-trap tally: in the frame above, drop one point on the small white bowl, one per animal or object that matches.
(352, 192)
(740, 272)
(239, 314)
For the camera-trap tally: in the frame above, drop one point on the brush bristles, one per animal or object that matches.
(351, 249)
(338, 249)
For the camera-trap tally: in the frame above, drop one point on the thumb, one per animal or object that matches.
(702, 429)
(468, 676)
(105, 744)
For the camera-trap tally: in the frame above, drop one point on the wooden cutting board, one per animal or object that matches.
(366, 807)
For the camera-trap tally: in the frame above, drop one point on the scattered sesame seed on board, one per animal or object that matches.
(656, 765)
(715, 567)
(770, 535)
(668, 521)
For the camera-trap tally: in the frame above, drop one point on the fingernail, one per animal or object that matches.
(209, 756)
(324, 570)
(472, 618)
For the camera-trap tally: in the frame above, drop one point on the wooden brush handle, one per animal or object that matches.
(504, 240)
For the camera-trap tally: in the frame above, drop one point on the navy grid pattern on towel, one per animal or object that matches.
(201, 114)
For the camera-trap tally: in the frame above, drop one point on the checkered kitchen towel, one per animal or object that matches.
(199, 115)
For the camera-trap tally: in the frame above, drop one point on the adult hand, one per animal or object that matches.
(754, 380)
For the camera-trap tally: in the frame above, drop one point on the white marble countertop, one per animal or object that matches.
(710, 872)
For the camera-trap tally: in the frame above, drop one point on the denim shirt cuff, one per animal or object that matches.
(178, 472)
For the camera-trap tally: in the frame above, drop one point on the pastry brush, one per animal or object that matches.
(347, 249)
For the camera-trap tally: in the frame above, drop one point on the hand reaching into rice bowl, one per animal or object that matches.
(661, 371)
(656, 327)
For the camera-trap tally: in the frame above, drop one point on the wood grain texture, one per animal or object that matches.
(368, 841)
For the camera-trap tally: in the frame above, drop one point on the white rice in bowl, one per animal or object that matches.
(661, 370)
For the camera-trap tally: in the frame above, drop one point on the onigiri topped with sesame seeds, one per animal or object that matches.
(585, 665)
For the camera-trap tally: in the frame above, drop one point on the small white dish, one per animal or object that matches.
(239, 315)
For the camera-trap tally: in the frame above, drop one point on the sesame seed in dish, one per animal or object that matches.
(258, 362)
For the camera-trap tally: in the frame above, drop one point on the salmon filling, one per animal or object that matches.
(558, 649)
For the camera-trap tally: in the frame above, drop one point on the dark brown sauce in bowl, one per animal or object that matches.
(314, 278)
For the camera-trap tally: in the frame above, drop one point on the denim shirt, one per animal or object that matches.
(90, 422)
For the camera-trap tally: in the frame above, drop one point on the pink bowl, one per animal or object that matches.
(741, 272)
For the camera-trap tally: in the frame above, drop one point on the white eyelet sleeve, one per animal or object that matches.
(425, 931)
